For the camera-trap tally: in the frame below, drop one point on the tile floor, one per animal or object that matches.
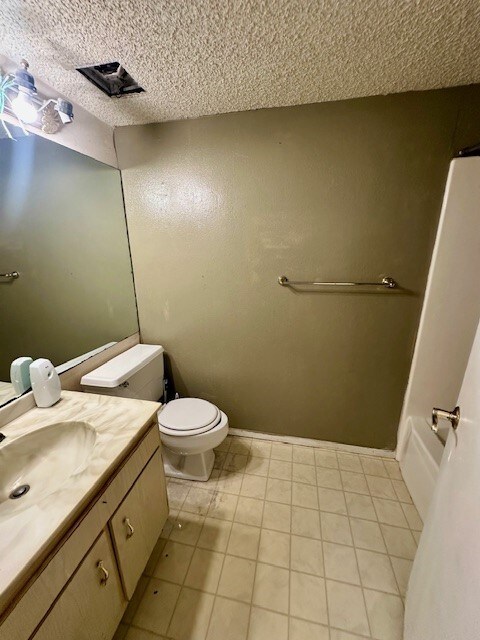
(284, 543)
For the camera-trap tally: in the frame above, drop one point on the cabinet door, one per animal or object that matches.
(92, 604)
(138, 522)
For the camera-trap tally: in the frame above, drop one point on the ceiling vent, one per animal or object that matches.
(112, 79)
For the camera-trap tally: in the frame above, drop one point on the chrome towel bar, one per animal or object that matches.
(387, 283)
(13, 275)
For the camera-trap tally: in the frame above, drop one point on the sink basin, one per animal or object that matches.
(38, 464)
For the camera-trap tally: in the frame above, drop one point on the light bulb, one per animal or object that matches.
(23, 108)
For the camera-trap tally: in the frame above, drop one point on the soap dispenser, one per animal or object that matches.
(46, 385)
(20, 374)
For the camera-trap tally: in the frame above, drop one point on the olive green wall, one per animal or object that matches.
(219, 207)
(62, 226)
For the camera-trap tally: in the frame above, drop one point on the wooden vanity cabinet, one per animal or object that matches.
(82, 590)
(92, 604)
(134, 526)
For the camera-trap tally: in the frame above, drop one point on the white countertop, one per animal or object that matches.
(28, 534)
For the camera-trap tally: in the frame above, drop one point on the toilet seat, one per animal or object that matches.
(188, 417)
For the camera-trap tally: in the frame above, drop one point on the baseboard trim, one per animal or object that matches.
(312, 442)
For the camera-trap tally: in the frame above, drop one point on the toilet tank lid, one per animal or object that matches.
(117, 370)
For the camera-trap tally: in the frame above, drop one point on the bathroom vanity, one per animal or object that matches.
(73, 552)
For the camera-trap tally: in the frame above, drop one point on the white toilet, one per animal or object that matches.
(190, 428)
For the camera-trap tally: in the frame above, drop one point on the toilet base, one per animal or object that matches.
(197, 466)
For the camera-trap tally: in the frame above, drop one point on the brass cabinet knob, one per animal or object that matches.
(103, 572)
(130, 529)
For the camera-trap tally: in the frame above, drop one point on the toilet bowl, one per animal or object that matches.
(190, 428)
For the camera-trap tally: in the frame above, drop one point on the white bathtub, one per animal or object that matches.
(421, 461)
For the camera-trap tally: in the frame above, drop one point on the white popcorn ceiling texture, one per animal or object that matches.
(199, 57)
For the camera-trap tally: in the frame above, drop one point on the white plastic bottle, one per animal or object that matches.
(46, 385)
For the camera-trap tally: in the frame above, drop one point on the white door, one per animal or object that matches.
(443, 598)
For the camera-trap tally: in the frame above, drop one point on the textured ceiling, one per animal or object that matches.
(198, 57)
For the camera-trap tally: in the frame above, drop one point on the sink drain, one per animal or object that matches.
(19, 491)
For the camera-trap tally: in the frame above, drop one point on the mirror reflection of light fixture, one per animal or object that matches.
(23, 106)
(19, 97)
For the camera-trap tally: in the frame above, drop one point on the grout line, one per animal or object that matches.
(360, 576)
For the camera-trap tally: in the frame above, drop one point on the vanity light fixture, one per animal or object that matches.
(19, 97)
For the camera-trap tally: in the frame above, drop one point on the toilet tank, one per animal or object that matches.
(135, 373)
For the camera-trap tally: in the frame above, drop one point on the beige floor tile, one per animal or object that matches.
(197, 501)
(401, 491)
(328, 478)
(204, 570)
(324, 458)
(229, 482)
(279, 491)
(393, 469)
(244, 540)
(257, 466)
(138, 634)
(225, 445)
(277, 516)
(229, 620)
(373, 466)
(303, 630)
(305, 495)
(155, 557)
(187, 527)
(281, 451)
(239, 444)
(304, 473)
(335, 528)
(156, 607)
(303, 454)
(346, 607)
(253, 487)
(215, 534)
(274, 548)
(236, 580)
(381, 487)
(400, 542)
(235, 461)
(385, 613)
(220, 457)
(332, 500)
(376, 571)
(305, 522)
(367, 535)
(176, 494)
(307, 597)
(192, 615)
(261, 448)
(271, 588)
(360, 506)
(413, 517)
(306, 555)
(266, 625)
(249, 511)
(338, 634)
(417, 535)
(340, 563)
(280, 469)
(354, 482)
(349, 462)
(169, 523)
(135, 600)
(223, 506)
(211, 483)
(402, 568)
(390, 512)
(173, 563)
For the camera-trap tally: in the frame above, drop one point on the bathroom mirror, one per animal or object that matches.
(63, 229)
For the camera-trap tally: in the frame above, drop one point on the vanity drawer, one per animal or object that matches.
(90, 607)
(138, 522)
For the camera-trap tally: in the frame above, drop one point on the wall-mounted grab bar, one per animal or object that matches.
(13, 275)
(387, 283)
